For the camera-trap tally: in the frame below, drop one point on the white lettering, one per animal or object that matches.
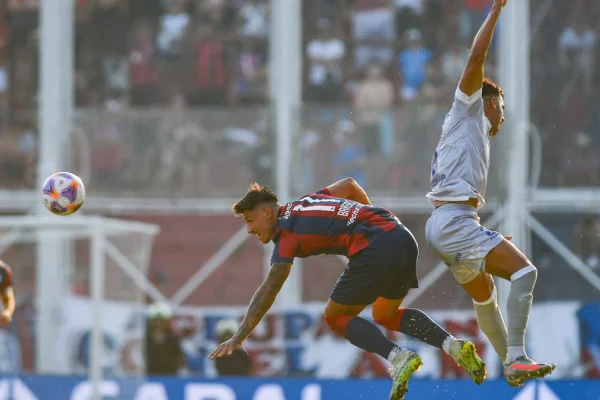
(345, 208)
(15, 389)
(288, 211)
(269, 392)
(151, 391)
(311, 392)
(208, 391)
(85, 390)
(311, 200)
(314, 208)
(354, 214)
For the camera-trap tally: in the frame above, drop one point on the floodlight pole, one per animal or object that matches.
(515, 80)
(286, 55)
(56, 72)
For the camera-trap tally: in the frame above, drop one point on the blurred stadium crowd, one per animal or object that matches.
(170, 91)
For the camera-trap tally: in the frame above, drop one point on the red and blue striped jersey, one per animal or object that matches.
(319, 223)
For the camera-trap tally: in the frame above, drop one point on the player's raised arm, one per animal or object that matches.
(348, 188)
(472, 77)
(261, 302)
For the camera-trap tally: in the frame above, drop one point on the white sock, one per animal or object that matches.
(393, 353)
(515, 352)
(447, 345)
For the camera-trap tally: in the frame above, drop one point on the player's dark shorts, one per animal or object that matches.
(386, 268)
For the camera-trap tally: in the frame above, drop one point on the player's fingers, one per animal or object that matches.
(216, 353)
(212, 355)
(508, 237)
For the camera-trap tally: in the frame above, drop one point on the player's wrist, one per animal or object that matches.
(237, 338)
(496, 8)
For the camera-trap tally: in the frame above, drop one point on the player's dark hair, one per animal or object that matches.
(256, 194)
(491, 89)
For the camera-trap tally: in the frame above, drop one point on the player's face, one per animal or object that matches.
(495, 113)
(259, 222)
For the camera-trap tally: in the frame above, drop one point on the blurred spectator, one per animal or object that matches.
(116, 76)
(372, 107)
(585, 241)
(581, 163)
(142, 71)
(184, 148)
(373, 31)
(251, 74)
(412, 63)
(409, 14)
(209, 68)
(454, 61)
(107, 158)
(576, 51)
(237, 363)
(350, 156)
(325, 55)
(172, 29)
(164, 355)
(254, 19)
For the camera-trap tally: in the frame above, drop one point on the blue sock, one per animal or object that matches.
(369, 337)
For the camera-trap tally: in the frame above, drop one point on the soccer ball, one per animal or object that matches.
(63, 193)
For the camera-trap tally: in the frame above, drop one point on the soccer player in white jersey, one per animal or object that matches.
(458, 180)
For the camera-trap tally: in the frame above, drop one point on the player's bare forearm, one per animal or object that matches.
(348, 188)
(263, 299)
(472, 77)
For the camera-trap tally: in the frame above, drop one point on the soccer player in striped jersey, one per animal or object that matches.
(340, 219)
(473, 253)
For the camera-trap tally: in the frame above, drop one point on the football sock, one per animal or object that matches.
(518, 307)
(369, 337)
(492, 324)
(417, 324)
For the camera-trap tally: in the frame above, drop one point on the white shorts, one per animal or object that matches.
(454, 233)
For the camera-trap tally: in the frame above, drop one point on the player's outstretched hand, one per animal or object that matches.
(500, 3)
(225, 348)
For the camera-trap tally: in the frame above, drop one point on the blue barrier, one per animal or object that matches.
(33, 387)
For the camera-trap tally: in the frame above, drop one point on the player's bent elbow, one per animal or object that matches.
(350, 181)
(344, 188)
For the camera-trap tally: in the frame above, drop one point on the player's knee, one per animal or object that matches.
(338, 323)
(388, 320)
(528, 272)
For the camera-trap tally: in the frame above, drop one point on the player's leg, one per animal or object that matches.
(508, 262)
(453, 232)
(403, 253)
(419, 325)
(489, 317)
(343, 319)
(357, 287)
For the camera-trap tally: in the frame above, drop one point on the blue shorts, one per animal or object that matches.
(386, 268)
